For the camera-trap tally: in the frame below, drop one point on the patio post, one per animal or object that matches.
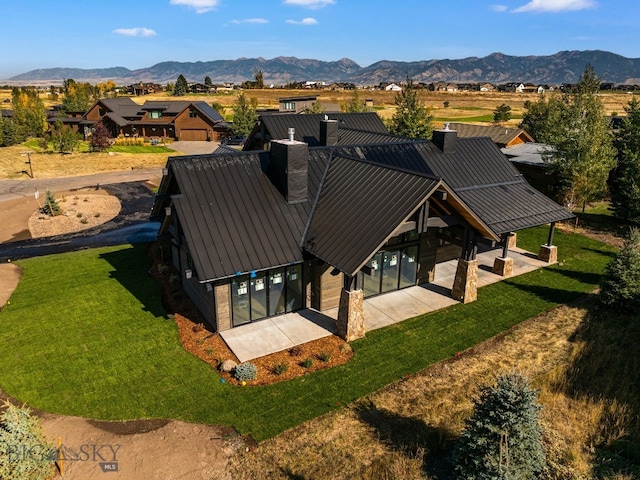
(350, 322)
(549, 252)
(503, 265)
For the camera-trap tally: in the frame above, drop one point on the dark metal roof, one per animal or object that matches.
(501, 136)
(233, 218)
(208, 111)
(307, 126)
(359, 207)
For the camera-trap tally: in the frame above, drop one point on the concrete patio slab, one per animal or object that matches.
(283, 332)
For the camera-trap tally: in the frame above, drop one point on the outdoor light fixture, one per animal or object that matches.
(165, 171)
(188, 273)
(167, 211)
(209, 287)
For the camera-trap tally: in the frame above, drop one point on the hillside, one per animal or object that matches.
(562, 67)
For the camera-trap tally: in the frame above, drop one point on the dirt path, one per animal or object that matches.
(10, 276)
(141, 449)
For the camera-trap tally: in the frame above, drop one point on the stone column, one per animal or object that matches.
(503, 266)
(513, 240)
(548, 253)
(465, 285)
(350, 323)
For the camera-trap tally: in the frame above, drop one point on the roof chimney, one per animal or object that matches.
(328, 132)
(288, 168)
(445, 139)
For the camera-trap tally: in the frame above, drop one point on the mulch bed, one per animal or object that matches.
(209, 346)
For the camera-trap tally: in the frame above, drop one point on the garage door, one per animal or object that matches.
(192, 135)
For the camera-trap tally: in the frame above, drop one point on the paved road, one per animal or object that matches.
(11, 189)
(132, 224)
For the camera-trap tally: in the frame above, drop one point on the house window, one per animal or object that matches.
(193, 114)
(102, 112)
(289, 105)
(155, 114)
(267, 293)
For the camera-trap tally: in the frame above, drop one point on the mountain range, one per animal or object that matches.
(562, 67)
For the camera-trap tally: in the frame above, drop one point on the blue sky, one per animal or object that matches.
(136, 34)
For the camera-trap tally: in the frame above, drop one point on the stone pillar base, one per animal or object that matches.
(513, 240)
(548, 253)
(503, 266)
(465, 285)
(350, 323)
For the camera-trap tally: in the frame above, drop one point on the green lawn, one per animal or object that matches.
(85, 334)
(140, 149)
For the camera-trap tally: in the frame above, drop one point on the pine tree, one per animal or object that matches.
(620, 282)
(355, 105)
(181, 87)
(502, 113)
(207, 81)
(412, 118)
(51, 206)
(503, 438)
(624, 181)
(24, 452)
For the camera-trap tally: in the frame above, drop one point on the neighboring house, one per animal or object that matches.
(178, 120)
(532, 160)
(260, 233)
(392, 87)
(353, 128)
(144, 88)
(296, 104)
(196, 87)
(487, 87)
(501, 136)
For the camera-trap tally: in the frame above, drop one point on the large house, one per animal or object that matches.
(256, 234)
(177, 120)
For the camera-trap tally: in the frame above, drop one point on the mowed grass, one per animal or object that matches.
(85, 334)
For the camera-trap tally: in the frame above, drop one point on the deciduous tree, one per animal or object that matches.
(412, 118)
(64, 138)
(244, 116)
(624, 181)
(355, 104)
(29, 115)
(100, 138)
(78, 96)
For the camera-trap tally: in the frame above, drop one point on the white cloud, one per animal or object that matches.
(200, 6)
(555, 6)
(135, 32)
(314, 4)
(499, 8)
(250, 20)
(304, 21)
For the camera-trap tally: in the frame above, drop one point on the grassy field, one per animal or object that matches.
(109, 351)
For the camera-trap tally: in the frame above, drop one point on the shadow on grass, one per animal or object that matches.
(607, 368)
(131, 267)
(409, 435)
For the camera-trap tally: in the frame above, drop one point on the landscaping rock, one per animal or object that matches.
(228, 365)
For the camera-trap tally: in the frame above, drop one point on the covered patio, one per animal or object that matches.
(274, 334)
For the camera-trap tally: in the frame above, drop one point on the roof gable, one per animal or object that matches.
(501, 136)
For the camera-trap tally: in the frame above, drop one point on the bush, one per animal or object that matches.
(19, 433)
(280, 368)
(245, 371)
(503, 438)
(620, 282)
(324, 356)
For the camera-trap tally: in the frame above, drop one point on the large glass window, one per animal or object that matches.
(371, 284)
(408, 266)
(390, 269)
(267, 293)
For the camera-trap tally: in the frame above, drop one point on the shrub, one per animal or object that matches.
(280, 368)
(503, 438)
(50, 206)
(324, 356)
(620, 282)
(84, 221)
(307, 363)
(295, 351)
(245, 371)
(19, 430)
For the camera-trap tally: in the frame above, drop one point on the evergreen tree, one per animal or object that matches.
(502, 113)
(100, 138)
(355, 105)
(259, 79)
(503, 438)
(624, 181)
(244, 116)
(207, 81)
(620, 282)
(181, 87)
(24, 451)
(412, 118)
(51, 206)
